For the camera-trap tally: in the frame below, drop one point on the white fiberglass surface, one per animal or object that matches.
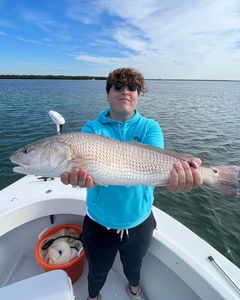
(17, 262)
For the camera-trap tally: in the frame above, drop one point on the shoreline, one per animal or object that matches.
(85, 77)
(59, 77)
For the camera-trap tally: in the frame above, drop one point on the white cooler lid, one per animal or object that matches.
(52, 285)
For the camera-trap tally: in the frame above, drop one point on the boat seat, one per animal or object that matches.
(48, 286)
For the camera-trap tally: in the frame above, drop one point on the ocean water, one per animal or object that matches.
(200, 118)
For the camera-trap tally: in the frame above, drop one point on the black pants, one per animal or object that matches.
(101, 246)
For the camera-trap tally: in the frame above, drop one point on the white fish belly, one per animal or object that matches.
(108, 175)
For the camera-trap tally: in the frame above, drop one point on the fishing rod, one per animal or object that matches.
(224, 273)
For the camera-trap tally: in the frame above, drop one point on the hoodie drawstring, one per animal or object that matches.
(121, 232)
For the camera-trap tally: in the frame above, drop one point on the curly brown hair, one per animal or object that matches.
(126, 76)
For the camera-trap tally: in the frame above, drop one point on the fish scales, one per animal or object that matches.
(114, 162)
(111, 162)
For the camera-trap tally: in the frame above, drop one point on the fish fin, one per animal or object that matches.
(180, 156)
(227, 181)
(80, 163)
(83, 163)
(162, 183)
(100, 183)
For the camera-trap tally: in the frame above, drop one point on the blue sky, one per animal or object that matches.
(192, 39)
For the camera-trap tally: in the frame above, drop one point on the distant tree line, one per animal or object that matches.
(16, 76)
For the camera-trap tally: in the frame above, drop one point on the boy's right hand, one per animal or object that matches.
(77, 177)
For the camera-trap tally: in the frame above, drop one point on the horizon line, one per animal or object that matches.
(86, 77)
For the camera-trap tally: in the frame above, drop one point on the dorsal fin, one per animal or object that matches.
(162, 151)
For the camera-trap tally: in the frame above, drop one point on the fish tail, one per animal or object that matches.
(227, 181)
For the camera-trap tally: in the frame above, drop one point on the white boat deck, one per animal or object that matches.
(159, 281)
(157, 285)
(176, 266)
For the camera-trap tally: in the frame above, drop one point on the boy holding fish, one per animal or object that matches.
(119, 218)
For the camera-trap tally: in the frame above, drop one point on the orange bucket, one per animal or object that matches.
(74, 268)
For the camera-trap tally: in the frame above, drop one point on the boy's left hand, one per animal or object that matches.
(184, 176)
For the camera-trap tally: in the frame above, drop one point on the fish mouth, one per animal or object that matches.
(20, 168)
(19, 164)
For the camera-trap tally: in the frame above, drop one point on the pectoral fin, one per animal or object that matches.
(80, 163)
(162, 183)
(83, 163)
(100, 183)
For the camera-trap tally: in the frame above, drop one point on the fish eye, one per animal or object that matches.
(215, 171)
(26, 150)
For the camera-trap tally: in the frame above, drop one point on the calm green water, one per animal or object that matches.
(198, 118)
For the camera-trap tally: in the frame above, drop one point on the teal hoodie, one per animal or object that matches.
(122, 207)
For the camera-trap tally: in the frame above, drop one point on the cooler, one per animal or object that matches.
(51, 285)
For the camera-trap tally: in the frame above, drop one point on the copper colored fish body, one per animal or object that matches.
(111, 162)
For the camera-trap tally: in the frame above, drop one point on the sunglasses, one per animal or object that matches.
(132, 87)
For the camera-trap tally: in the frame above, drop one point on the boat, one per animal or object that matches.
(178, 266)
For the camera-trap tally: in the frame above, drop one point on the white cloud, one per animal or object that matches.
(168, 39)
(43, 20)
(129, 39)
(179, 38)
(102, 60)
(191, 40)
(86, 12)
(164, 39)
(27, 40)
